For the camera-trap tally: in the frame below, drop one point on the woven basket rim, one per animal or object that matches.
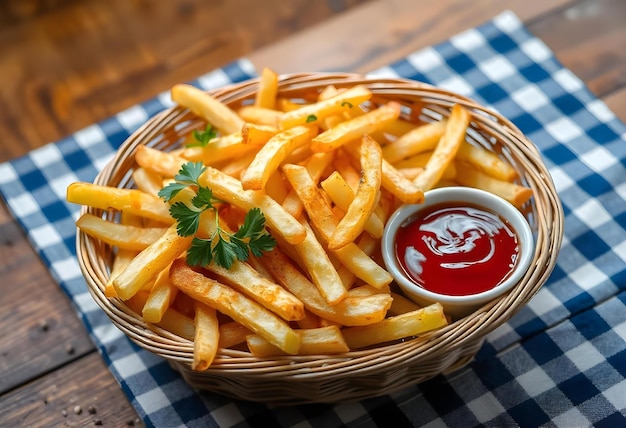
(545, 211)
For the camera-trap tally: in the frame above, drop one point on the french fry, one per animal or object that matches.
(418, 162)
(206, 337)
(401, 304)
(402, 188)
(268, 88)
(350, 311)
(160, 162)
(230, 189)
(149, 262)
(219, 149)
(126, 200)
(207, 107)
(273, 153)
(232, 333)
(354, 129)
(120, 235)
(362, 206)
(237, 306)
(273, 297)
(421, 139)
(397, 327)
(446, 149)
(342, 195)
(314, 113)
(121, 260)
(260, 115)
(515, 193)
(147, 181)
(173, 320)
(160, 298)
(325, 222)
(316, 165)
(486, 161)
(321, 270)
(315, 341)
(257, 135)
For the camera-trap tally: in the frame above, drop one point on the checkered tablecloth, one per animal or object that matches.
(560, 361)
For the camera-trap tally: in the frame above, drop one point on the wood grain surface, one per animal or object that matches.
(66, 64)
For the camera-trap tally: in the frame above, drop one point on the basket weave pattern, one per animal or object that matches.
(358, 374)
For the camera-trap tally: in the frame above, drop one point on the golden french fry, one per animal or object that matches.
(173, 321)
(402, 188)
(126, 200)
(147, 181)
(257, 135)
(320, 268)
(207, 107)
(515, 193)
(423, 138)
(397, 327)
(272, 296)
(232, 333)
(149, 262)
(316, 165)
(325, 222)
(268, 88)
(417, 163)
(121, 260)
(160, 298)
(163, 163)
(342, 195)
(446, 149)
(260, 115)
(229, 189)
(350, 311)
(313, 113)
(362, 206)
(120, 235)
(355, 128)
(486, 161)
(237, 306)
(315, 341)
(219, 149)
(285, 104)
(401, 304)
(273, 153)
(206, 337)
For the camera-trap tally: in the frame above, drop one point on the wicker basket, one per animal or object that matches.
(359, 374)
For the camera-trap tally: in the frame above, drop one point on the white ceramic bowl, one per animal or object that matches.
(458, 306)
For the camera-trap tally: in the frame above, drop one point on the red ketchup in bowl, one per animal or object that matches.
(457, 249)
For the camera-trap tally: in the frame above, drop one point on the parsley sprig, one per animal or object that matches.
(202, 138)
(222, 247)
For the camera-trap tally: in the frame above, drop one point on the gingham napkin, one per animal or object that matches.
(561, 361)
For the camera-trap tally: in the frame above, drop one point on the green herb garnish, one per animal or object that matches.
(223, 247)
(311, 118)
(347, 103)
(203, 137)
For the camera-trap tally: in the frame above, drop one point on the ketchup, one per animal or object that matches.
(457, 249)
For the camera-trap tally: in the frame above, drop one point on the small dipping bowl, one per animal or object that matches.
(457, 306)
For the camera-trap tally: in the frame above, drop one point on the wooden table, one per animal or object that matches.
(66, 64)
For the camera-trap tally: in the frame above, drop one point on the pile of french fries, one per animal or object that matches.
(326, 174)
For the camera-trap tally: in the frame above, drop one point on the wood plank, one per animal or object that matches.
(81, 62)
(616, 101)
(52, 400)
(381, 32)
(589, 38)
(40, 331)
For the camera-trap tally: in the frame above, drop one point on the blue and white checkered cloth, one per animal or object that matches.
(560, 361)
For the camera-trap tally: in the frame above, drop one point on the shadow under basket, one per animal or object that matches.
(355, 375)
